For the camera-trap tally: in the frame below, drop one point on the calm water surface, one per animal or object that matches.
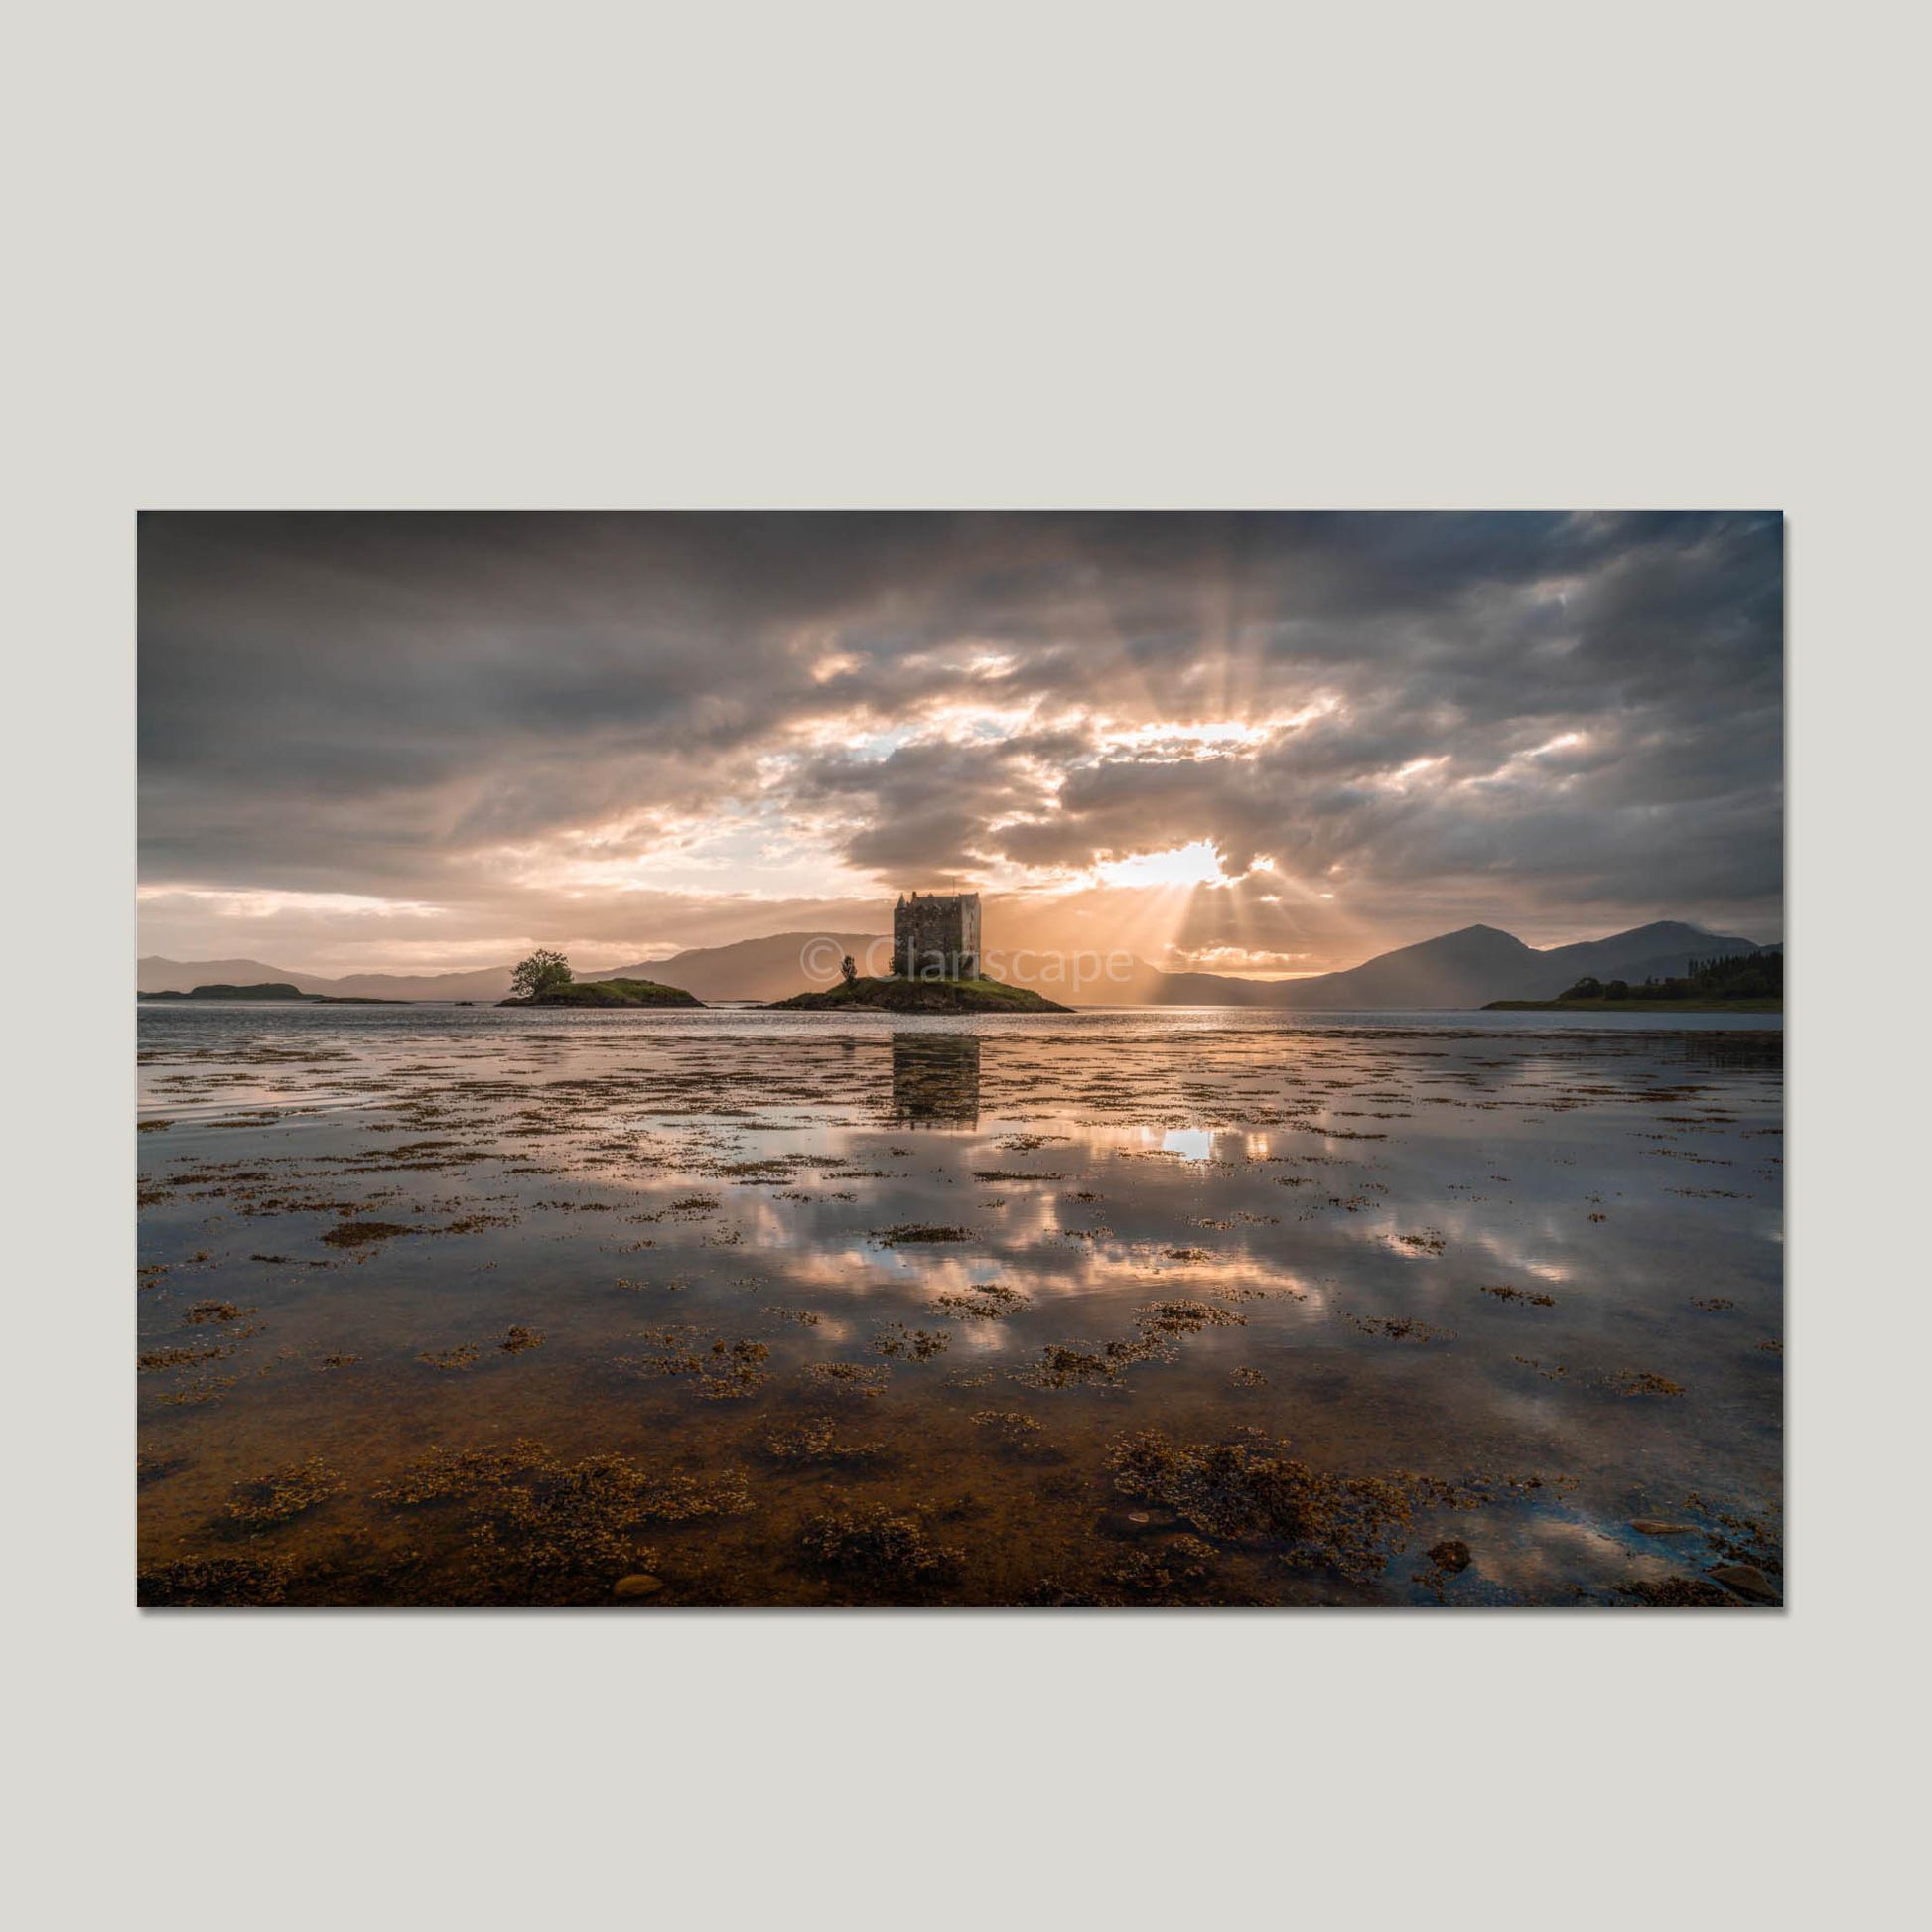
(445, 1305)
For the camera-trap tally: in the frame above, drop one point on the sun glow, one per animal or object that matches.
(1185, 864)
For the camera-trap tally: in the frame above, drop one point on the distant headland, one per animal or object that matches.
(273, 992)
(1736, 983)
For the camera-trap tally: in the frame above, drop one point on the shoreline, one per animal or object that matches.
(1634, 1006)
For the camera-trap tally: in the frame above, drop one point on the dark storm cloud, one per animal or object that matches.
(384, 706)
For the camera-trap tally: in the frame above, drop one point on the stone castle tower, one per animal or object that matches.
(937, 936)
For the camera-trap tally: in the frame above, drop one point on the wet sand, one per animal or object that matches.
(656, 1309)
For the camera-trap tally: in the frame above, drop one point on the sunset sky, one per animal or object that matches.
(1260, 744)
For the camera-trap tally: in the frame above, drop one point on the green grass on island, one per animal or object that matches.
(610, 993)
(894, 995)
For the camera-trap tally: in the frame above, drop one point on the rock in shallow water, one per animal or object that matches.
(1746, 1580)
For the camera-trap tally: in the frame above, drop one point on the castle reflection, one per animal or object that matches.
(937, 1078)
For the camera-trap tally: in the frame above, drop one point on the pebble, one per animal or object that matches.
(1138, 1522)
(1747, 1580)
(628, 1590)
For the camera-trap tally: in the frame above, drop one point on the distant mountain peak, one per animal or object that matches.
(1489, 938)
(1672, 926)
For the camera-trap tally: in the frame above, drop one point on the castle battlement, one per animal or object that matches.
(936, 935)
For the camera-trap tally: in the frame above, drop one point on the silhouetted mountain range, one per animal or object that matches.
(1468, 968)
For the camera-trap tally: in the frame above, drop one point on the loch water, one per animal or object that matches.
(474, 1306)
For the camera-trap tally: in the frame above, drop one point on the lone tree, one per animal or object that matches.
(850, 968)
(543, 972)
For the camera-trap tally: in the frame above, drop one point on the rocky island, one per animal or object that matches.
(894, 995)
(606, 993)
(272, 990)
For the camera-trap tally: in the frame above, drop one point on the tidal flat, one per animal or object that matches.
(473, 1307)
